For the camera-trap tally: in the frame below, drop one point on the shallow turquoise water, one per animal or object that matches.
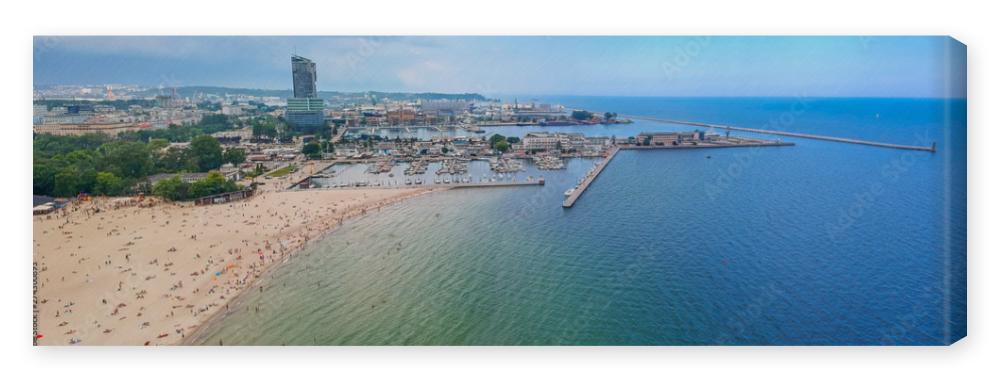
(819, 243)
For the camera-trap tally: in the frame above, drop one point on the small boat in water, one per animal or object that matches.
(569, 192)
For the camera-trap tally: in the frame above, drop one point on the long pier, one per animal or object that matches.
(931, 148)
(753, 143)
(571, 199)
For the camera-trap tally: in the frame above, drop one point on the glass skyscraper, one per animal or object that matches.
(305, 108)
(303, 77)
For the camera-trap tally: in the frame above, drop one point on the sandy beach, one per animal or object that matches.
(113, 271)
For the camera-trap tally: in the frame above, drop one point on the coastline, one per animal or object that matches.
(199, 332)
(137, 295)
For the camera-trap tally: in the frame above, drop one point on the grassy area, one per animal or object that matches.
(282, 171)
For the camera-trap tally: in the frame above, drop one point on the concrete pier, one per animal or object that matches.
(709, 146)
(571, 199)
(931, 148)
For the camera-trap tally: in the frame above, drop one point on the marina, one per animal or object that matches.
(449, 173)
(440, 185)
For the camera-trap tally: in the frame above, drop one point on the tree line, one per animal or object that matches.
(501, 143)
(176, 189)
(209, 124)
(97, 164)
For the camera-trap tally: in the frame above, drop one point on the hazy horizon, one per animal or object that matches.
(681, 66)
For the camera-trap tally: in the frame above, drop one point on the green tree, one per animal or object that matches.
(236, 156)
(67, 183)
(212, 184)
(312, 150)
(171, 189)
(502, 146)
(43, 177)
(264, 127)
(127, 159)
(206, 152)
(157, 144)
(82, 159)
(175, 160)
(109, 184)
(496, 138)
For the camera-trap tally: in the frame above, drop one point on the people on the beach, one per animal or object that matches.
(204, 269)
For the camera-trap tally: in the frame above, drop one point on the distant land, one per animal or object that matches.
(190, 91)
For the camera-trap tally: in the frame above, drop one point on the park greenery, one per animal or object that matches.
(282, 171)
(209, 124)
(501, 143)
(312, 150)
(100, 165)
(176, 189)
(117, 104)
(265, 127)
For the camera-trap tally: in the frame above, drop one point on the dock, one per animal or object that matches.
(932, 148)
(571, 199)
(758, 143)
(539, 182)
(494, 184)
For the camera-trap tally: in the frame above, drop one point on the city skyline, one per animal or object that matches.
(638, 66)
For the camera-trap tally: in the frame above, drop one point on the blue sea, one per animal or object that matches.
(820, 243)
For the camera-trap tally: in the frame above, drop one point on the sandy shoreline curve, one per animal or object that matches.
(115, 271)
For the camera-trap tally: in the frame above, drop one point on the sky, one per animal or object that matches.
(742, 66)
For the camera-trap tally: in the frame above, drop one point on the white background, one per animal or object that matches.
(971, 22)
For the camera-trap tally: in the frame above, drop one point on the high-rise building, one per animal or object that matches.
(303, 77)
(305, 108)
(305, 112)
